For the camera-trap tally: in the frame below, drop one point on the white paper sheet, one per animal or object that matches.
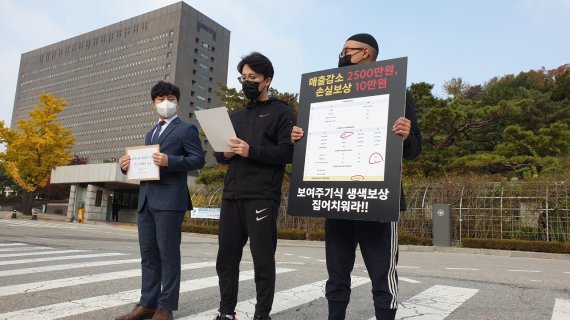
(218, 127)
(347, 140)
(142, 166)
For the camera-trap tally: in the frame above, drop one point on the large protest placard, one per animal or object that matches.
(348, 164)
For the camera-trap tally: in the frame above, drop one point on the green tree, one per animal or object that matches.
(235, 100)
(213, 175)
(456, 87)
(7, 183)
(513, 125)
(39, 145)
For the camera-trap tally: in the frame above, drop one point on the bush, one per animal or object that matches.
(291, 234)
(318, 235)
(517, 245)
(199, 228)
(205, 226)
(212, 175)
(405, 238)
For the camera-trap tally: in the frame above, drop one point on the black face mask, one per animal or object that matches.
(251, 90)
(345, 61)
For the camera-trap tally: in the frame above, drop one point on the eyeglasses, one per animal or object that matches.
(249, 77)
(344, 50)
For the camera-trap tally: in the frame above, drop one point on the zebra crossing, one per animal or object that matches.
(48, 224)
(436, 302)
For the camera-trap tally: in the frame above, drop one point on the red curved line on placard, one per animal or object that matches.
(375, 161)
(346, 134)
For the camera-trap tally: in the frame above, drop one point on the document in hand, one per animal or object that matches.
(218, 127)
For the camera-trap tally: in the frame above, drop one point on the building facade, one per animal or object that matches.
(105, 76)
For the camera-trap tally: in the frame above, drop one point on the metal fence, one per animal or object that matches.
(508, 210)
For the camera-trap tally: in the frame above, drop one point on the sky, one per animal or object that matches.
(472, 39)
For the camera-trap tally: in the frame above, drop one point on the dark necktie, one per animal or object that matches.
(159, 125)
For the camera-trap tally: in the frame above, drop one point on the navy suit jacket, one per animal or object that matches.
(181, 142)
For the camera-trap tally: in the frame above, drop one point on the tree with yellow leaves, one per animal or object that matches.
(39, 144)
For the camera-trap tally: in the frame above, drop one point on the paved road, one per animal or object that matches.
(60, 270)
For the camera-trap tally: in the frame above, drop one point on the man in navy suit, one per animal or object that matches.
(162, 204)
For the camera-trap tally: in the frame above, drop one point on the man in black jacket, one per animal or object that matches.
(252, 187)
(378, 240)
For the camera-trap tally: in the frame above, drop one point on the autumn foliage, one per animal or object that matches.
(39, 144)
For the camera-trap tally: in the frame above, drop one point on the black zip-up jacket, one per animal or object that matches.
(266, 127)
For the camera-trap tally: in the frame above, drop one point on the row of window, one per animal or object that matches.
(120, 88)
(139, 72)
(87, 44)
(97, 64)
(201, 87)
(118, 151)
(113, 139)
(96, 111)
(109, 121)
(82, 124)
(66, 113)
(156, 37)
(120, 128)
(205, 45)
(95, 74)
(108, 51)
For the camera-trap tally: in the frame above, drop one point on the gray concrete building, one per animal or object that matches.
(105, 76)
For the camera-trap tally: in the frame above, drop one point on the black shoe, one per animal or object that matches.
(223, 317)
(258, 317)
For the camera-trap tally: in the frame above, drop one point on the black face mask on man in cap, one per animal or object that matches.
(345, 61)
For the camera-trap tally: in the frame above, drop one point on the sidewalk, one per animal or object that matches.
(41, 216)
(58, 217)
(403, 248)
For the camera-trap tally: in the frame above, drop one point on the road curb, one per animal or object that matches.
(490, 252)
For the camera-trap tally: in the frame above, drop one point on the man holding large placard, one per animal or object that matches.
(162, 205)
(350, 168)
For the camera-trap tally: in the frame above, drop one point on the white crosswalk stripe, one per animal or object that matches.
(561, 309)
(41, 224)
(434, 303)
(283, 300)
(437, 302)
(12, 244)
(11, 255)
(408, 280)
(23, 249)
(60, 267)
(92, 278)
(80, 256)
(71, 308)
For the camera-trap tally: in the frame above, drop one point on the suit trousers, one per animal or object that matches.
(379, 247)
(240, 219)
(159, 241)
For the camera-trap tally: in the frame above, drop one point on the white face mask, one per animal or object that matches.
(166, 109)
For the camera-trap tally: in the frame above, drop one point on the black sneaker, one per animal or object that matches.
(224, 317)
(258, 317)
